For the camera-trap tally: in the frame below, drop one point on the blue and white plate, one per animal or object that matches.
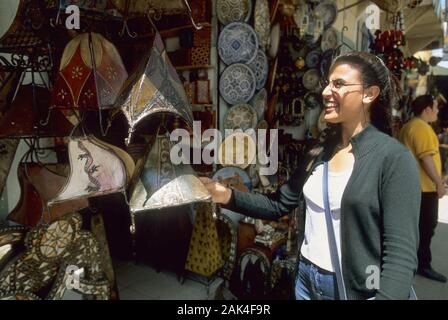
(260, 67)
(237, 84)
(237, 43)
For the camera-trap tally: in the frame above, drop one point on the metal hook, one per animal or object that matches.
(130, 33)
(197, 26)
(54, 24)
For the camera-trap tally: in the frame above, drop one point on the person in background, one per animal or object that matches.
(421, 139)
(373, 189)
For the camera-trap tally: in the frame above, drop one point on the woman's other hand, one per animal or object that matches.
(220, 194)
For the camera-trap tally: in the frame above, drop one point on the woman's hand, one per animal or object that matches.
(220, 194)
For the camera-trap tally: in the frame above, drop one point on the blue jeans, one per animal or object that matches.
(314, 283)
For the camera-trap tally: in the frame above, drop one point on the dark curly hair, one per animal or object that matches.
(373, 72)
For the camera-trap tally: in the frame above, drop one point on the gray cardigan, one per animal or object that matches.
(379, 214)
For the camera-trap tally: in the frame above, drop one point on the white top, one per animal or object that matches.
(315, 246)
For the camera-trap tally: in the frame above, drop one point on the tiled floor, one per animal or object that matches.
(142, 282)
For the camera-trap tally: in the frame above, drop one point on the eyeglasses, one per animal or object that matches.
(337, 84)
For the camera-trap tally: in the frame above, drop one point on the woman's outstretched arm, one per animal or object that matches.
(261, 206)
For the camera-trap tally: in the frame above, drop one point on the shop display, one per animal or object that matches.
(202, 89)
(262, 23)
(237, 84)
(326, 10)
(237, 149)
(39, 184)
(254, 269)
(153, 88)
(49, 250)
(91, 74)
(8, 149)
(330, 39)
(312, 59)
(95, 169)
(233, 10)
(274, 40)
(227, 240)
(28, 116)
(162, 184)
(15, 33)
(260, 67)
(259, 102)
(204, 254)
(311, 79)
(241, 116)
(237, 43)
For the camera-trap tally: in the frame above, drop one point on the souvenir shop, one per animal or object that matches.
(90, 92)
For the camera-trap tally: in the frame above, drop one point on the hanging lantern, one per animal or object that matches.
(38, 184)
(96, 168)
(27, 112)
(163, 184)
(90, 76)
(154, 88)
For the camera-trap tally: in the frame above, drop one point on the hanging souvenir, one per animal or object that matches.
(163, 184)
(18, 27)
(96, 168)
(204, 254)
(84, 85)
(27, 113)
(154, 88)
(38, 184)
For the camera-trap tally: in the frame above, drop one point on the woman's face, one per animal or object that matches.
(343, 97)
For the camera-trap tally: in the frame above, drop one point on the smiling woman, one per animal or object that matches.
(358, 188)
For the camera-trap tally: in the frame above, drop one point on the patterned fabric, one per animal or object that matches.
(204, 255)
(84, 85)
(49, 250)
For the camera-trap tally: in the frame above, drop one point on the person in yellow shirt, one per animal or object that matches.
(423, 142)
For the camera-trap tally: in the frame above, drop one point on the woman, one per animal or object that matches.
(373, 188)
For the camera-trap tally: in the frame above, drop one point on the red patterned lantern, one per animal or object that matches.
(84, 85)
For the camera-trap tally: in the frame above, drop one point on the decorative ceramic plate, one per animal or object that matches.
(260, 67)
(312, 59)
(313, 100)
(311, 79)
(274, 40)
(241, 116)
(233, 10)
(330, 39)
(262, 23)
(263, 124)
(237, 43)
(327, 11)
(238, 150)
(237, 84)
(260, 102)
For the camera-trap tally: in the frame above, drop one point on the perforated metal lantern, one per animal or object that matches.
(90, 76)
(154, 88)
(163, 184)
